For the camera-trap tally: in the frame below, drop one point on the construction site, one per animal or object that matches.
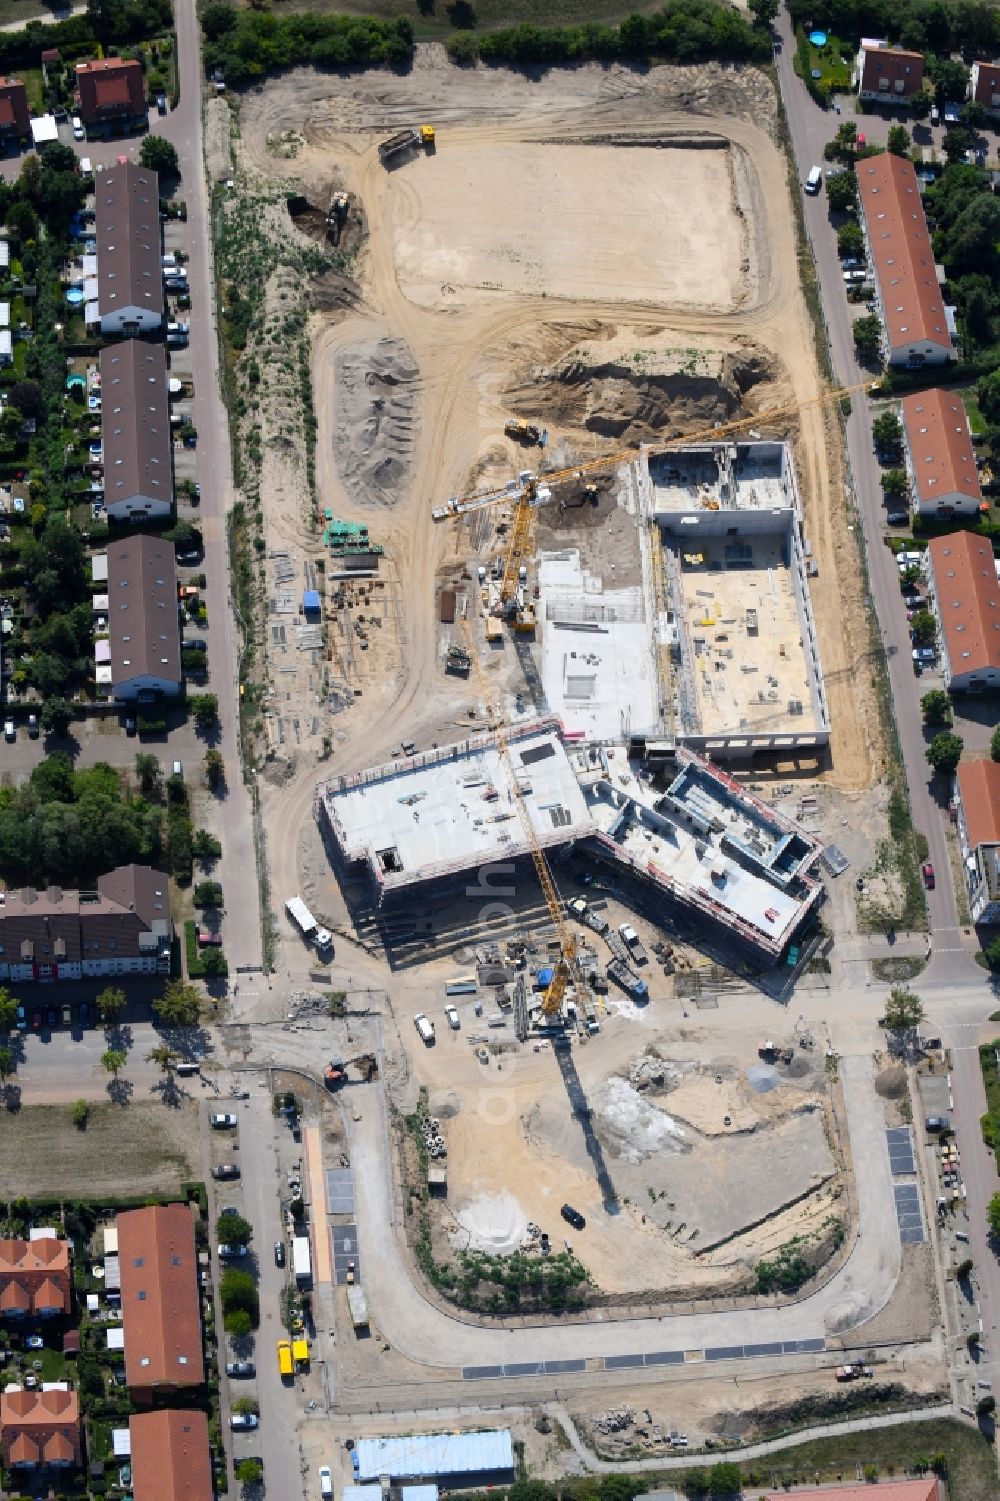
(577, 602)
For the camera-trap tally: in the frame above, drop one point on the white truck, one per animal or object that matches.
(302, 1261)
(633, 942)
(358, 1306)
(425, 1027)
(320, 938)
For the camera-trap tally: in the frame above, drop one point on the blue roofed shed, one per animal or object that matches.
(439, 1455)
(310, 602)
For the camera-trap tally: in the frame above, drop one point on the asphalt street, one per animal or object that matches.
(952, 968)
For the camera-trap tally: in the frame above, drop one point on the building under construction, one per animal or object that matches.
(689, 832)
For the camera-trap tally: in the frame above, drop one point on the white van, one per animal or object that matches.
(424, 1026)
(814, 181)
(79, 133)
(86, 167)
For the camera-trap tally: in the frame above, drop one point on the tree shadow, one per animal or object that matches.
(119, 1037)
(192, 1043)
(120, 1091)
(12, 1097)
(169, 1091)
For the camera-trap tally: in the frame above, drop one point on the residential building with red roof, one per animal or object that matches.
(984, 86)
(40, 1428)
(944, 477)
(15, 117)
(916, 328)
(171, 1460)
(34, 1278)
(888, 73)
(111, 91)
(160, 1300)
(965, 592)
(977, 805)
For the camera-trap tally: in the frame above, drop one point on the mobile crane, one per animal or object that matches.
(566, 969)
(529, 490)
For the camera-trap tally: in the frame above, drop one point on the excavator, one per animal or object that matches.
(529, 491)
(335, 1073)
(566, 971)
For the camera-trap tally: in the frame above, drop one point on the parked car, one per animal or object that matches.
(937, 1123)
(9, 731)
(222, 1121)
(241, 1421)
(224, 1170)
(924, 655)
(83, 1014)
(325, 1481)
(897, 518)
(32, 726)
(36, 1021)
(22, 1019)
(34, 1342)
(927, 871)
(229, 1211)
(194, 643)
(241, 1370)
(129, 725)
(279, 1253)
(232, 1253)
(78, 131)
(67, 1016)
(189, 558)
(161, 103)
(573, 1217)
(52, 1017)
(453, 1019)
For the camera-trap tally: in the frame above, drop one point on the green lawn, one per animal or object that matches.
(436, 20)
(835, 72)
(33, 87)
(977, 422)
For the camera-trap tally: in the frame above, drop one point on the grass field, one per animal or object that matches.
(146, 1148)
(972, 1469)
(13, 12)
(436, 20)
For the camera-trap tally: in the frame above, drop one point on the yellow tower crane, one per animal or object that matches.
(566, 969)
(531, 489)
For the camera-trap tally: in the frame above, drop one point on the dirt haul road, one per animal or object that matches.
(297, 129)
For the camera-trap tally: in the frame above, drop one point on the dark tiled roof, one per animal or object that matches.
(142, 610)
(127, 230)
(135, 422)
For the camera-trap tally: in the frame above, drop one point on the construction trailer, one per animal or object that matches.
(302, 1261)
(358, 1306)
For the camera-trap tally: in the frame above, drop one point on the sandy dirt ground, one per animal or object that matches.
(302, 131)
(659, 1096)
(484, 217)
(146, 1149)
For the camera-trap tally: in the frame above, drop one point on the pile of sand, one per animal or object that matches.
(376, 385)
(491, 1222)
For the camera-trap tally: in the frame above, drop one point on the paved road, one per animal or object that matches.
(952, 968)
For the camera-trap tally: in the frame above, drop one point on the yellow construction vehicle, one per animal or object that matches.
(428, 139)
(566, 971)
(521, 432)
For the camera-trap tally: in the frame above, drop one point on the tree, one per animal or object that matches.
(26, 395)
(924, 628)
(842, 192)
(217, 20)
(8, 1009)
(247, 1471)
(215, 768)
(148, 770)
(985, 1406)
(179, 1005)
(950, 79)
(163, 1056)
(238, 1323)
(995, 744)
(246, 1405)
(991, 953)
(945, 752)
(110, 1004)
(936, 707)
(867, 333)
(988, 395)
(957, 142)
(887, 430)
(972, 115)
(896, 482)
(234, 1230)
(850, 239)
(921, 104)
(207, 894)
(57, 715)
(993, 1216)
(898, 140)
(763, 11)
(725, 1481)
(205, 708)
(903, 1011)
(186, 537)
(213, 964)
(114, 1060)
(7, 1064)
(159, 155)
(205, 846)
(79, 1114)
